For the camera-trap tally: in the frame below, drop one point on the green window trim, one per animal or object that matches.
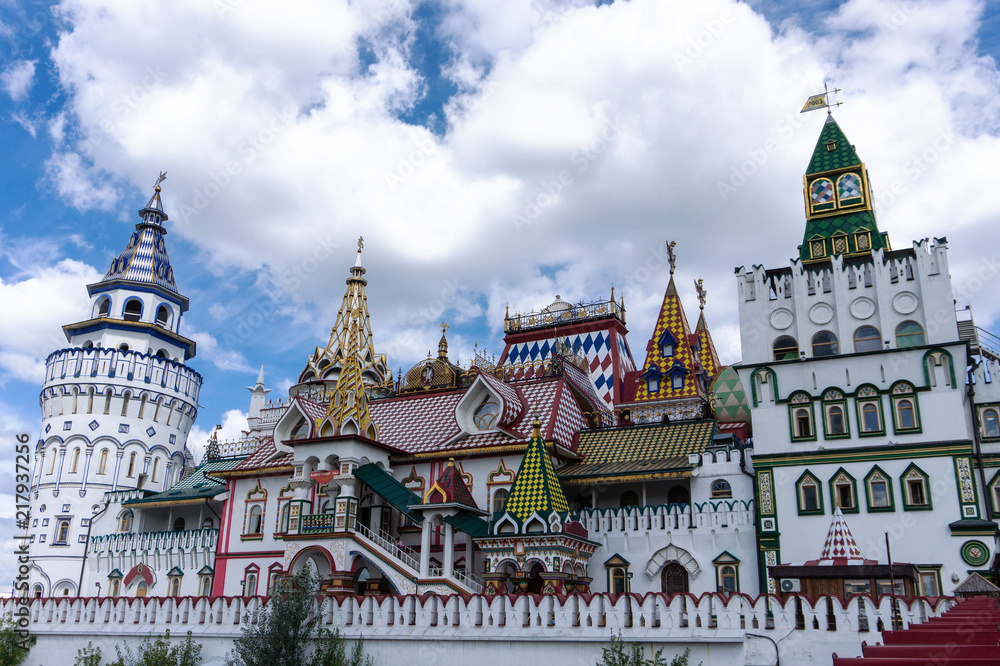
(897, 401)
(793, 409)
(859, 404)
(994, 410)
(992, 487)
(908, 505)
(843, 475)
(870, 500)
(767, 375)
(827, 406)
(808, 478)
(933, 569)
(948, 363)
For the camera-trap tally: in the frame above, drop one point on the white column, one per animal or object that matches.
(425, 547)
(449, 550)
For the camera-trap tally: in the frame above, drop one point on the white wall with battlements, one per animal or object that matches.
(448, 629)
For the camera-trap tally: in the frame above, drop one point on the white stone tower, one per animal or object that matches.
(117, 406)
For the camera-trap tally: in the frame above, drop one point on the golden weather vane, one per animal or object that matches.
(821, 101)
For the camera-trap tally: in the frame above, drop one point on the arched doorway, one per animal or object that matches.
(674, 579)
(535, 579)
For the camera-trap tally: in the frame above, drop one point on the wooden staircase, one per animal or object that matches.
(967, 634)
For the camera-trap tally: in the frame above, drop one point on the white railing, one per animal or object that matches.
(386, 543)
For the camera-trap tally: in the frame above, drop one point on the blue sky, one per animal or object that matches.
(492, 154)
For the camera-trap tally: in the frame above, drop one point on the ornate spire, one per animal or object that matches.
(536, 487)
(352, 330)
(350, 401)
(443, 343)
(145, 258)
(840, 217)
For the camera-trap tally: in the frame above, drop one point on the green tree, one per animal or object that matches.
(14, 645)
(285, 631)
(88, 656)
(158, 651)
(632, 655)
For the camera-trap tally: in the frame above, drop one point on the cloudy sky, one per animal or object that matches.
(491, 154)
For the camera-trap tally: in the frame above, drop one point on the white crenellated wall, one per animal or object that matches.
(570, 629)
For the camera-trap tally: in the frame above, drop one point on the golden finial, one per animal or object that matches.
(163, 177)
(699, 287)
(361, 242)
(507, 312)
(536, 427)
(671, 257)
(612, 293)
(444, 327)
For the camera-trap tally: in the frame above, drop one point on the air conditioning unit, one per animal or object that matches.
(791, 585)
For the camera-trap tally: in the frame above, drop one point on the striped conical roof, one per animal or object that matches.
(145, 259)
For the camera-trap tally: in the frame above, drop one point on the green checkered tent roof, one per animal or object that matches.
(730, 399)
(824, 159)
(199, 484)
(536, 487)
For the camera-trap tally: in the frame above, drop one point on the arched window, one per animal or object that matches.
(162, 315)
(915, 489)
(843, 493)
(206, 586)
(142, 405)
(104, 307)
(300, 431)
(175, 586)
(75, 461)
(90, 400)
(628, 498)
(721, 488)
(88, 344)
(835, 420)
(907, 419)
(991, 423)
(156, 468)
(803, 423)
(810, 499)
(909, 334)
(179, 525)
(728, 579)
(52, 465)
(207, 524)
(126, 396)
(867, 338)
(285, 511)
(62, 532)
(131, 465)
(102, 464)
(123, 346)
(250, 585)
(162, 353)
(871, 420)
(116, 587)
(785, 348)
(499, 499)
(677, 381)
(133, 310)
(37, 591)
(107, 401)
(255, 519)
(619, 581)
(824, 343)
(653, 384)
(141, 589)
(125, 521)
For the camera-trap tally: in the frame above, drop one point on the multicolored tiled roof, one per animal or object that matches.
(673, 322)
(651, 449)
(536, 487)
(264, 458)
(199, 484)
(708, 357)
(145, 258)
(450, 488)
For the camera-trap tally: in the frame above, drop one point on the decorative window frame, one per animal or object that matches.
(723, 494)
(982, 409)
(850, 202)
(895, 334)
(251, 570)
(797, 348)
(722, 562)
(766, 376)
(274, 574)
(285, 496)
(928, 504)
(901, 392)
(835, 342)
(614, 566)
(834, 397)
(869, 395)
(667, 339)
(801, 400)
(935, 569)
(833, 483)
(809, 476)
(256, 497)
(855, 339)
(827, 206)
(862, 241)
(839, 244)
(992, 488)
(943, 359)
(890, 493)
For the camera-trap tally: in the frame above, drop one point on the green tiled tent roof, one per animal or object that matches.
(659, 448)
(731, 400)
(536, 487)
(198, 484)
(828, 160)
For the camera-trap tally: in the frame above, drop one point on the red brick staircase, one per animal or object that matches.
(967, 634)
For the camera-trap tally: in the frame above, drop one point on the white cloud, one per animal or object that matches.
(29, 124)
(218, 355)
(234, 423)
(79, 185)
(35, 308)
(17, 78)
(281, 153)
